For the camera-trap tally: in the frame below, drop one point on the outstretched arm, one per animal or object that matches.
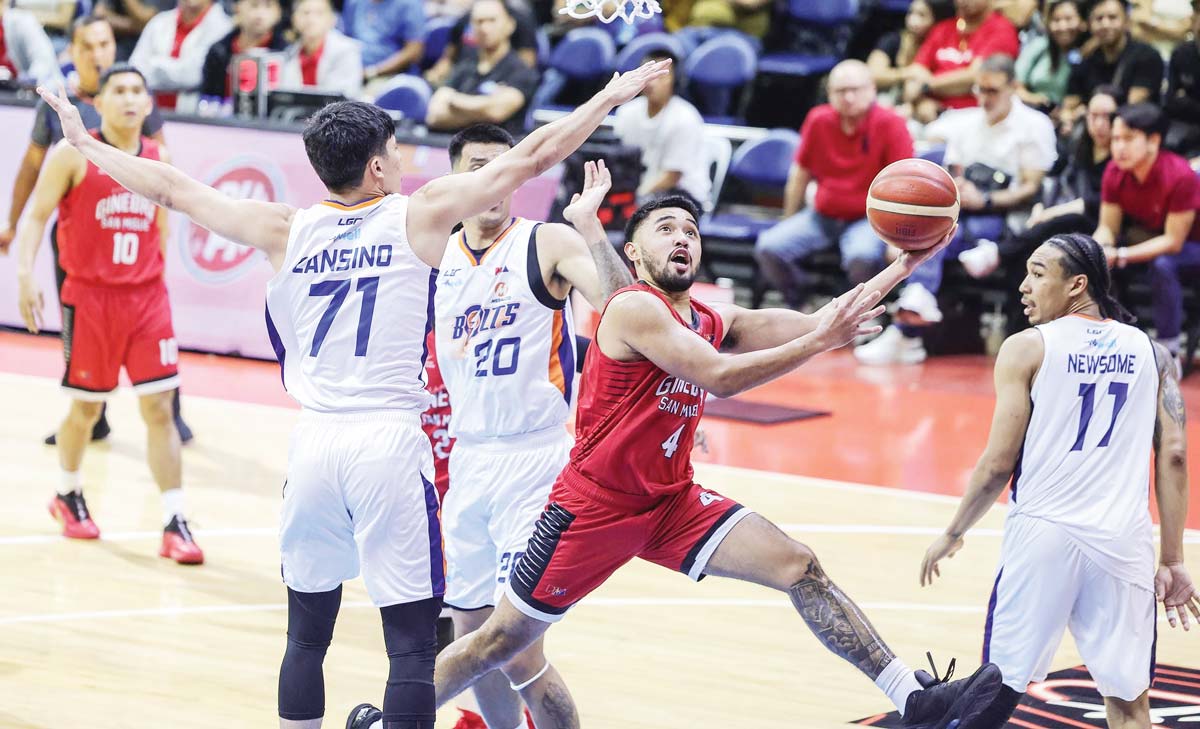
(438, 205)
(636, 324)
(1172, 585)
(1016, 365)
(749, 330)
(250, 222)
(586, 260)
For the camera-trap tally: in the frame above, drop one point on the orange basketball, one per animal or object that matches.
(912, 204)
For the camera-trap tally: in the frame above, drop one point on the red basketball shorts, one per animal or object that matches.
(107, 327)
(586, 533)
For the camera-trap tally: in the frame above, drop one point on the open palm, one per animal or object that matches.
(597, 181)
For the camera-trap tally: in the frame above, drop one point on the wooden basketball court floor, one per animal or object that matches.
(106, 634)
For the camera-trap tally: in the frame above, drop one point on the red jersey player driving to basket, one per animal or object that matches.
(628, 489)
(114, 305)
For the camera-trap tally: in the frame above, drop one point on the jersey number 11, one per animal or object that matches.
(1087, 391)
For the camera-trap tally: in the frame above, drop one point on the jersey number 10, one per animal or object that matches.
(125, 248)
(1087, 391)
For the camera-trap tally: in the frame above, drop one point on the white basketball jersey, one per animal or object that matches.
(505, 345)
(1085, 464)
(349, 310)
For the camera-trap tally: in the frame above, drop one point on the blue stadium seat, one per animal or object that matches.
(715, 70)
(632, 54)
(933, 154)
(408, 95)
(437, 36)
(828, 20)
(584, 53)
(763, 163)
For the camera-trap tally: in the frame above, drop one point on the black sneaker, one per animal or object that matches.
(943, 703)
(363, 716)
(100, 431)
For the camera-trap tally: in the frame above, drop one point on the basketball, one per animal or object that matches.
(912, 204)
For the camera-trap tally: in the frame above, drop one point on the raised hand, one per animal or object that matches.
(943, 547)
(1174, 588)
(848, 316)
(72, 124)
(625, 86)
(597, 181)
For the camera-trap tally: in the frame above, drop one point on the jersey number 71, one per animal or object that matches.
(338, 289)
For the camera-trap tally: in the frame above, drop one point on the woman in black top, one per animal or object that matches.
(894, 52)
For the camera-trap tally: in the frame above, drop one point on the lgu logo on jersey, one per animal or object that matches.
(211, 258)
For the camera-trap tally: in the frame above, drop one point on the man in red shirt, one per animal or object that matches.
(946, 63)
(1160, 193)
(843, 145)
(115, 308)
(629, 491)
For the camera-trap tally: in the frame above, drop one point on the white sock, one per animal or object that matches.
(70, 482)
(377, 725)
(898, 682)
(172, 504)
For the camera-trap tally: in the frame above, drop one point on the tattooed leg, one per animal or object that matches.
(838, 623)
(758, 551)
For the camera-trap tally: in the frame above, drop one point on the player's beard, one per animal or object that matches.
(671, 281)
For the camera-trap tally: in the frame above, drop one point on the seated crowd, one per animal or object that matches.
(1052, 116)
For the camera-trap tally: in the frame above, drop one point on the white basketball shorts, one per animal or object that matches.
(1045, 584)
(497, 492)
(359, 496)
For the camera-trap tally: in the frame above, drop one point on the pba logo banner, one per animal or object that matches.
(1068, 699)
(211, 258)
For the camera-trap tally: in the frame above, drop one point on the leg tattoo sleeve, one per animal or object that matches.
(838, 623)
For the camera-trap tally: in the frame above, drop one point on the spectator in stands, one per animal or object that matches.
(1112, 57)
(1023, 14)
(492, 86)
(947, 61)
(446, 8)
(1044, 66)
(128, 19)
(463, 43)
(322, 59)
(670, 132)
(1072, 204)
(256, 25)
(1161, 24)
(93, 51)
(55, 17)
(843, 145)
(173, 47)
(1159, 193)
(891, 62)
(752, 17)
(1183, 93)
(392, 33)
(26, 53)
(998, 153)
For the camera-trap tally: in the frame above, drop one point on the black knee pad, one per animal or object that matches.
(410, 636)
(311, 616)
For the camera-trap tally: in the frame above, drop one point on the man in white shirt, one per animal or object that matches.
(172, 49)
(998, 152)
(670, 133)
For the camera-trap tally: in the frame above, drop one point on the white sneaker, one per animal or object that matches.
(891, 347)
(981, 260)
(917, 299)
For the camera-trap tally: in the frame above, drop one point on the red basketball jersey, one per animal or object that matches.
(107, 235)
(634, 429)
(436, 420)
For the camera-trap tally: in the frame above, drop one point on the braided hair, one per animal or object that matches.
(1083, 256)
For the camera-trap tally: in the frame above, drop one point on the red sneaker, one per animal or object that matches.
(71, 511)
(470, 720)
(178, 544)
